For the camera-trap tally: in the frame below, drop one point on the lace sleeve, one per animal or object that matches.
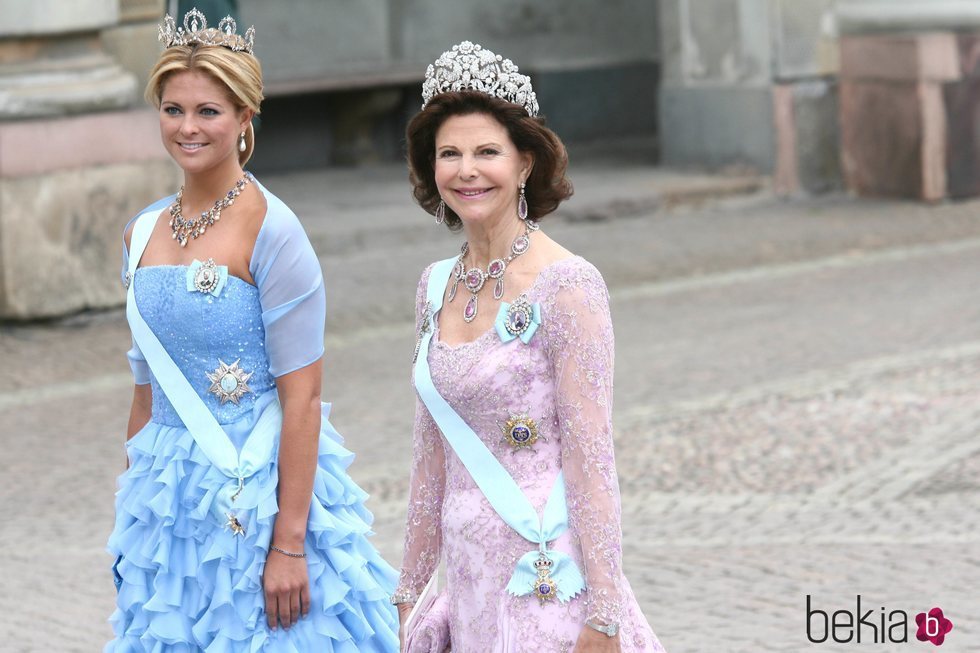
(423, 526)
(581, 349)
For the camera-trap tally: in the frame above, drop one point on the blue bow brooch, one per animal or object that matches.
(206, 277)
(518, 320)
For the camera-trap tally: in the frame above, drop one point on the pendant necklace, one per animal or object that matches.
(184, 229)
(476, 277)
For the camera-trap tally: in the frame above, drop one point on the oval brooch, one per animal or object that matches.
(206, 278)
(518, 320)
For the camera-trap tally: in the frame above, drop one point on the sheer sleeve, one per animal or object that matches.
(581, 348)
(290, 282)
(137, 362)
(423, 527)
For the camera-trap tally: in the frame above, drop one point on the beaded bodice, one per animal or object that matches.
(201, 331)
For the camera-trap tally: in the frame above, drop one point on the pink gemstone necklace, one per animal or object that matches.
(475, 277)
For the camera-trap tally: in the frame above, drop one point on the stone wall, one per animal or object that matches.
(324, 41)
(910, 98)
(343, 81)
(879, 96)
(76, 161)
(751, 82)
(67, 188)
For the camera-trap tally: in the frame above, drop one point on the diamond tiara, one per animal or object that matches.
(471, 67)
(196, 30)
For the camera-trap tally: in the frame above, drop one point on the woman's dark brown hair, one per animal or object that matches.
(546, 186)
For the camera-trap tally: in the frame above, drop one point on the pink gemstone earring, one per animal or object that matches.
(522, 204)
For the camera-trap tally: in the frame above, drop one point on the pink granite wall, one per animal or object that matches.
(909, 107)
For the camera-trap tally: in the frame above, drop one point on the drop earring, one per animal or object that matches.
(522, 204)
(241, 142)
(441, 212)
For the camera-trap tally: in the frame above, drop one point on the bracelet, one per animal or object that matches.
(403, 596)
(273, 547)
(609, 630)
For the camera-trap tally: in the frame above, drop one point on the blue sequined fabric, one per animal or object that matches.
(198, 329)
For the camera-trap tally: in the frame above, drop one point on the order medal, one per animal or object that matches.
(521, 432)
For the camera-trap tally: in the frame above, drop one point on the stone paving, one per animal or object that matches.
(797, 410)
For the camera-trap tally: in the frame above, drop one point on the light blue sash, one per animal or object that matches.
(500, 489)
(262, 442)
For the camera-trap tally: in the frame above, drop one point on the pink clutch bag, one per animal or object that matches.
(427, 626)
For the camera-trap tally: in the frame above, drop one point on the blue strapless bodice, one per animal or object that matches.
(200, 332)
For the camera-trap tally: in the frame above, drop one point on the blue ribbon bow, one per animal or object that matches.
(564, 572)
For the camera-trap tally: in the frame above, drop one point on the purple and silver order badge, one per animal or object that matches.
(545, 587)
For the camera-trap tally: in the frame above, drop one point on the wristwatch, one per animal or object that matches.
(609, 630)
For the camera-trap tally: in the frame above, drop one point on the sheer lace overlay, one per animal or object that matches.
(563, 380)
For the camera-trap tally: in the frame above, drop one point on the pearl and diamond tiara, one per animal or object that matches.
(196, 30)
(471, 67)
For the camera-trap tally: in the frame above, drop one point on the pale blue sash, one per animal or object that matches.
(500, 489)
(262, 442)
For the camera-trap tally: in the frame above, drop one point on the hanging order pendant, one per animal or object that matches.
(234, 525)
(545, 587)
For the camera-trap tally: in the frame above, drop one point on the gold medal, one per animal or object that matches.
(521, 432)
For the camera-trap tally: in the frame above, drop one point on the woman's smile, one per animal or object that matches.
(468, 194)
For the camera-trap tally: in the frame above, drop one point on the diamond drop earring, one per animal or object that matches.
(522, 204)
(441, 212)
(241, 142)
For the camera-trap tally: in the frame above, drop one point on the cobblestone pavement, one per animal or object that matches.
(797, 410)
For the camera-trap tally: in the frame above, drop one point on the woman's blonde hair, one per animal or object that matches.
(239, 72)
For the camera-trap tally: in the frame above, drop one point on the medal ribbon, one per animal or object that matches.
(500, 489)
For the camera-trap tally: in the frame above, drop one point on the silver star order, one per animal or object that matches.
(234, 373)
(234, 525)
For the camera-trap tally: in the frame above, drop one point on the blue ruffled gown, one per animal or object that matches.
(186, 580)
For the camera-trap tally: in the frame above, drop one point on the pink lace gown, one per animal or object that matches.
(563, 380)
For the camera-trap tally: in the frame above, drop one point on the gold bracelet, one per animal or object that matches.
(275, 548)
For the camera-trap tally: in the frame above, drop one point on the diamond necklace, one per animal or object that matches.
(184, 229)
(475, 277)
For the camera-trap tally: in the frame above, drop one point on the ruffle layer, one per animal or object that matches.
(189, 584)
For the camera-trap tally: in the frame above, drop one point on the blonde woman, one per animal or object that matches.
(237, 527)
